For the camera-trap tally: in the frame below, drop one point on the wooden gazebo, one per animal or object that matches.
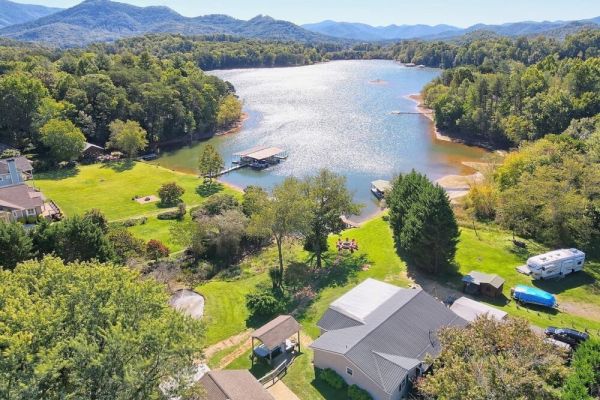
(275, 335)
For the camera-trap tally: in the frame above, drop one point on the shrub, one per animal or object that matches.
(125, 245)
(332, 378)
(266, 303)
(175, 214)
(31, 219)
(217, 204)
(133, 222)
(155, 249)
(170, 194)
(584, 381)
(356, 393)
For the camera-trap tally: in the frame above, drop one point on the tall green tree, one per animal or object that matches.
(490, 359)
(211, 163)
(128, 137)
(20, 97)
(63, 139)
(285, 214)
(74, 239)
(230, 111)
(15, 245)
(423, 223)
(329, 200)
(90, 331)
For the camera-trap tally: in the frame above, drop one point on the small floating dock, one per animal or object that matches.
(257, 158)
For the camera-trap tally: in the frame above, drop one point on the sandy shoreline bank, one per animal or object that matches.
(428, 113)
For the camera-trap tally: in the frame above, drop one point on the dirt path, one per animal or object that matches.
(227, 343)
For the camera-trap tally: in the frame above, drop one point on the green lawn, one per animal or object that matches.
(111, 188)
(158, 229)
(375, 242)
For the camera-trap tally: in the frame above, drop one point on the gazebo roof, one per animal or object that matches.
(277, 331)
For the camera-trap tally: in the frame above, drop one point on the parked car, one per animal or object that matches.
(531, 295)
(566, 335)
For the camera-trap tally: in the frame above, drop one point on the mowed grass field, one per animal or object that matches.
(112, 187)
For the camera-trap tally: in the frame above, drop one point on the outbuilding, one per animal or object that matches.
(476, 282)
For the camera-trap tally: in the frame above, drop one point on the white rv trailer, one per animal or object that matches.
(556, 263)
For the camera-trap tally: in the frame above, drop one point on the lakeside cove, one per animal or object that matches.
(332, 115)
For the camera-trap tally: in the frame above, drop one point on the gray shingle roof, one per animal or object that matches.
(275, 332)
(477, 277)
(395, 336)
(22, 164)
(233, 385)
(20, 197)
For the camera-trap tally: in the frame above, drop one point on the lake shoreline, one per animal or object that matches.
(440, 135)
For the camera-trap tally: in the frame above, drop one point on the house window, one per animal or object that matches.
(31, 211)
(349, 371)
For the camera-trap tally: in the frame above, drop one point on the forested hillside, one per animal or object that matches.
(169, 98)
(507, 102)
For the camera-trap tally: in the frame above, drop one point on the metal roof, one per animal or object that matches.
(477, 278)
(364, 299)
(274, 333)
(469, 310)
(381, 185)
(265, 153)
(395, 335)
(233, 385)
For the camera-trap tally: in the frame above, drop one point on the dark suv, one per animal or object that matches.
(566, 335)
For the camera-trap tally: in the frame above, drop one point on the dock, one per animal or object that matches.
(258, 158)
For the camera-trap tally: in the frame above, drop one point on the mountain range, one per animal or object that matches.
(364, 32)
(16, 13)
(105, 20)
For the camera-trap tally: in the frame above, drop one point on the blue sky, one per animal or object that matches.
(379, 12)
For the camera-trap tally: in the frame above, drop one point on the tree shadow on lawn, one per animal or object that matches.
(58, 174)
(339, 269)
(120, 166)
(571, 281)
(208, 189)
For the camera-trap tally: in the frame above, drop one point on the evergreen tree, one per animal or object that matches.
(211, 163)
(15, 245)
(423, 223)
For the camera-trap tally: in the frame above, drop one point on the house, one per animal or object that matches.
(23, 171)
(92, 152)
(17, 199)
(470, 310)
(232, 385)
(479, 283)
(377, 336)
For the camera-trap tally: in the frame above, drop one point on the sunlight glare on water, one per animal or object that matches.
(336, 115)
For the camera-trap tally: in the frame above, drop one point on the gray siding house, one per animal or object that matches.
(377, 336)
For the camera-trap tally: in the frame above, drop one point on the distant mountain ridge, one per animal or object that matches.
(105, 20)
(359, 31)
(15, 13)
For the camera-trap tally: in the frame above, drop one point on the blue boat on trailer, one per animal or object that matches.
(531, 295)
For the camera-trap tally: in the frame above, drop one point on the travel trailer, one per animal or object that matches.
(557, 263)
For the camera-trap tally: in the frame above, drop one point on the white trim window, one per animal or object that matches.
(31, 212)
(349, 370)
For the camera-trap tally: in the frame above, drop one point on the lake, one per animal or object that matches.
(336, 115)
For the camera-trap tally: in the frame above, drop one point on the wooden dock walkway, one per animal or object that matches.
(230, 169)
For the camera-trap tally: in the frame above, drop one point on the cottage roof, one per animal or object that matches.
(22, 164)
(233, 385)
(469, 310)
(394, 337)
(276, 332)
(92, 146)
(477, 278)
(20, 197)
